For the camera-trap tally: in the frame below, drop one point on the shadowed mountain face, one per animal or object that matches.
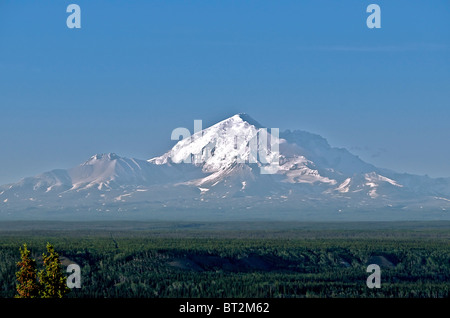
(235, 168)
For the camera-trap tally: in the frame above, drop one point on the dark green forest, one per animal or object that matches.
(244, 261)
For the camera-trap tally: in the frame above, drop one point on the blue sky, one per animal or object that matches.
(138, 69)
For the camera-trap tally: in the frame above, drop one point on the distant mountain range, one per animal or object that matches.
(235, 169)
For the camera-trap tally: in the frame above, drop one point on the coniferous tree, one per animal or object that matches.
(28, 286)
(52, 279)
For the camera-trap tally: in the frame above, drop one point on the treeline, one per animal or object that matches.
(142, 266)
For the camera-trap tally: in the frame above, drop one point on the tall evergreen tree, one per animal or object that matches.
(28, 286)
(52, 278)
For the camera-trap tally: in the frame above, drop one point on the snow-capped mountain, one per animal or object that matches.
(235, 165)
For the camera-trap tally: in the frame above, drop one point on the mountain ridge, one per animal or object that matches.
(219, 169)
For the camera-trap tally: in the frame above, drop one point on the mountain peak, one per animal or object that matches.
(216, 147)
(102, 157)
(246, 118)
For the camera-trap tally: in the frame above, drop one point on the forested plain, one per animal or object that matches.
(245, 260)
